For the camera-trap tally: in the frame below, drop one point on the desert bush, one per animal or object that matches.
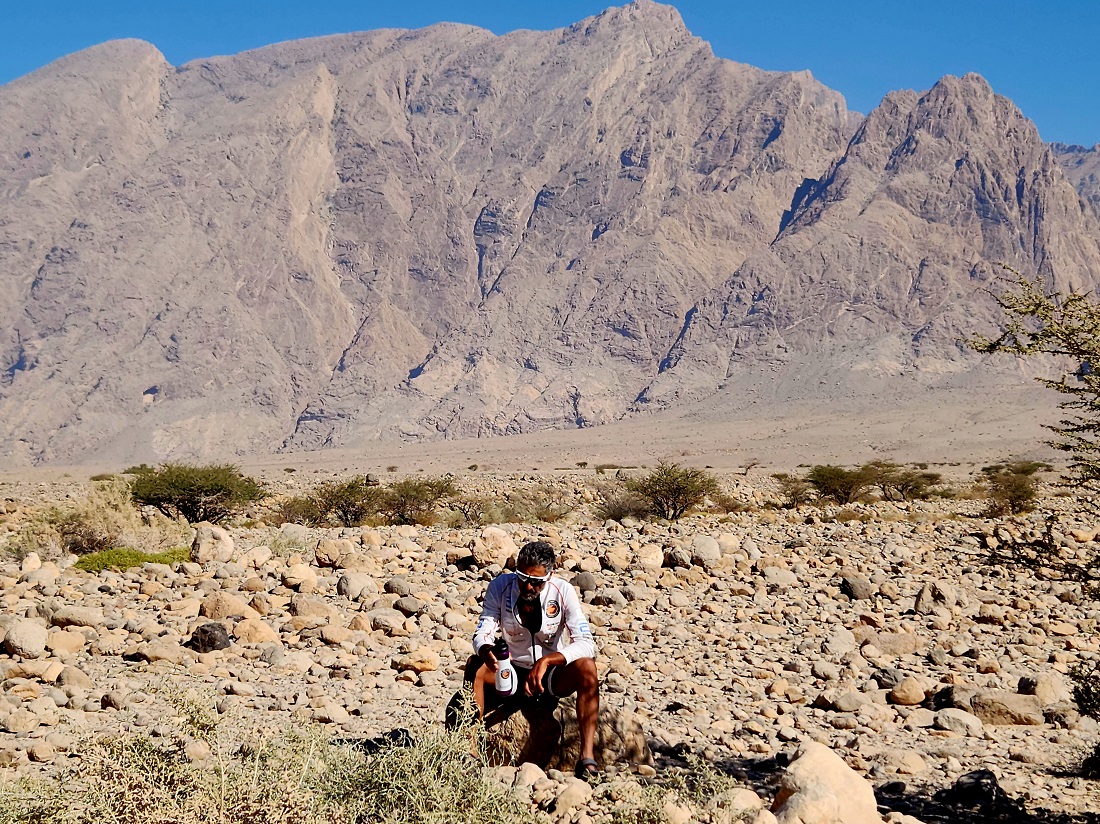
(1013, 488)
(211, 493)
(795, 491)
(288, 776)
(897, 483)
(844, 486)
(472, 510)
(538, 505)
(299, 509)
(139, 469)
(671, 490)
(350, 502)
(104, 519)
(123, 559)
(414, 500)
(617, 502)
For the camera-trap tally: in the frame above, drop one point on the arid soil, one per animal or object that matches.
(896, 634)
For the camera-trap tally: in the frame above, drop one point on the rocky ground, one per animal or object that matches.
(893, 639)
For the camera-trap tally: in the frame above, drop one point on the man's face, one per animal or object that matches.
(531, 581)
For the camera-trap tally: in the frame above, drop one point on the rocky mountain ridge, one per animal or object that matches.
(444, 233)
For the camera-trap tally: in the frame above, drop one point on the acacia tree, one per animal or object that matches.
(1042, 323)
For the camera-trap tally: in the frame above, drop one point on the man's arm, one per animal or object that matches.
(488, 624)
(581, 643)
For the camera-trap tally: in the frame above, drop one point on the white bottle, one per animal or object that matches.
(505, 675)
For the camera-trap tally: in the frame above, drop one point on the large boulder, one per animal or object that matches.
(548, 735)
(819, 788)
(211, 544)
(26, 638)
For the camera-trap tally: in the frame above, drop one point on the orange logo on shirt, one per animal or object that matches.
(552, 609)
(505, 675)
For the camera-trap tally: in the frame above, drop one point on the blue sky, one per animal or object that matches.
(1041, 53)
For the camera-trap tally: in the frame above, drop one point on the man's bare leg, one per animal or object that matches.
(580, 677)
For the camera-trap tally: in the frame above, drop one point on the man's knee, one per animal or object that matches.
(584, 670)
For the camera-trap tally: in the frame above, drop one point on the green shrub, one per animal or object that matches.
(140, 469)
(671, 490)
(414, 500)
(103, 476)
(795, 491)
(1011, 492)
(299, 509)
(123, 559)
(349, 503)
(211, 493)
(844, 486)
(539, 505)
(896, 483)
(616, 502)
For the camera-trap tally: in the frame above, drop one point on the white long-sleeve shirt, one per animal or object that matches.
(561, 612)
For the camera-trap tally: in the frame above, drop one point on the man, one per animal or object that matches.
(534, 610)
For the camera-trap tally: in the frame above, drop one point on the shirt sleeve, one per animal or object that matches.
(489, 622)
(581, 643)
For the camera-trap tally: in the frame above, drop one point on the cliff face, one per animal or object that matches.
(444, 233)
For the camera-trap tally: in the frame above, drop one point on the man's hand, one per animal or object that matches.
(487, 657)
(533, 684)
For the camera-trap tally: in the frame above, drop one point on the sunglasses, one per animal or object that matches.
(536, 580)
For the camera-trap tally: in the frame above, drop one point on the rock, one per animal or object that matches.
(409, 605)
(897, 644)
(26, 638)
(819, 788)
(335, 634)
(20, 721)
(574, 793)
(329, 551)
(221, 604)
(211, 544)
(389, 621)
(677, 556)
(256, 557)
(549, 737)
(161, 650)
(310, 606)
(840, 641)
(65, 641)
(422, 659)
(850, 701)
(72, 616)
(958, 721)
(979, 790)
(650, 557)
(75, 677)
(499, 542)
(356, 586)
(856, 586)
(935, 594)
(908, 693)
(209, 637)
(617, 558)
(1048, 687)
(301, 577)
(254, 631)
(998, 707)
(705, 552)
(585, 582)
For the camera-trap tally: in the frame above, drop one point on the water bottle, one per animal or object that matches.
(505, 675)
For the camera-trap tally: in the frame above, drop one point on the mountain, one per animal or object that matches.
(444, 233)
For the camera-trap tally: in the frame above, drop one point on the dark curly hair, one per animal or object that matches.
(536, 553)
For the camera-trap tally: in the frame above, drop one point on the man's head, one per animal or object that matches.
(534, 565)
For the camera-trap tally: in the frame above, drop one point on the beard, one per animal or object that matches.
(529, 599)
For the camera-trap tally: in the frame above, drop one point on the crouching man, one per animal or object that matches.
(549, 641)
